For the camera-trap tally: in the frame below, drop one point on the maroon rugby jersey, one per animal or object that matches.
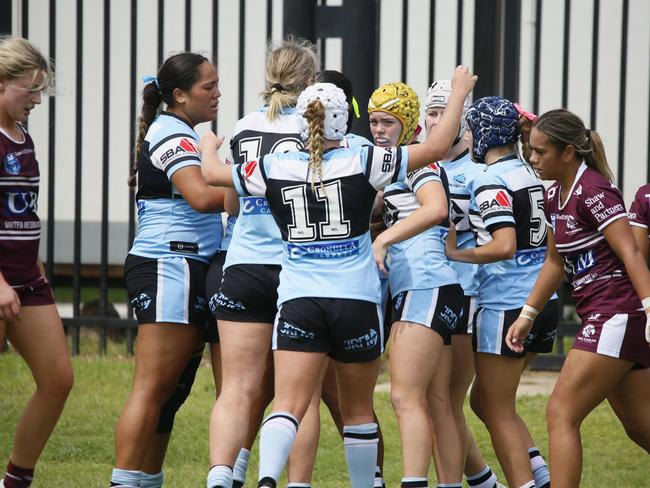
(598, 277)
(639, 213)
(20, 228)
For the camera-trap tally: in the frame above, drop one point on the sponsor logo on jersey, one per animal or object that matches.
(324, 251)
(589, 201)
(366, 341)
(12, 165)
(184, 247)
(550, 193)
(580, 263)
(594, 316)
(249, 168)
(494, 201)
(530, 257)
(141, 206)
(387, 162)
(291, 331)
(141, 302)
(606, 212)
(185, 146)
(255, 206)
(22, 202)
(578, 191)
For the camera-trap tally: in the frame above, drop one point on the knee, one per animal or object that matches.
(439, 403)
(406, 399)
(560, 416)
(59, 384)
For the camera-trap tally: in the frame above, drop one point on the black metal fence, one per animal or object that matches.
(491, 36)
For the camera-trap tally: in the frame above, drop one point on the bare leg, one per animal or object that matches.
(498, 379)
(161, 354)
(448, 444)
(242, 346)
(630, 400)
(414, 354)
(586, 380)
(52, 372)
(305, 446)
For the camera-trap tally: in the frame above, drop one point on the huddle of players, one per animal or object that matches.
(304, 191)
(303, 239)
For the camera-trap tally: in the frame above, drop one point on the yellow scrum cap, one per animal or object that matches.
(399, 100)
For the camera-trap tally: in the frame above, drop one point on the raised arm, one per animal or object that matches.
(440, 139)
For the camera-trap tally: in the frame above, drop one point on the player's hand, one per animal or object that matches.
(517, 333)
(451, 245)
(379, 250)
(210, 142)
(463, 80)
(9, 302)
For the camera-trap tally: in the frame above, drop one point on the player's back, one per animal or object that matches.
(256, 238)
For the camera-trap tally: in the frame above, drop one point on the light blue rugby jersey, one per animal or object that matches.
(256, 237)
(167, 224)
(418, 263)
(507, 193)
(460, 173)
(325, 231)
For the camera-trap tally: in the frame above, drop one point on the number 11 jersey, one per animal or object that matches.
(324, 226)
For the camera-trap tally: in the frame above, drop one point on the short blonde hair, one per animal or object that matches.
(290, 68)
(18, 56)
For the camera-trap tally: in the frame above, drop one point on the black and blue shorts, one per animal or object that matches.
(349, 331)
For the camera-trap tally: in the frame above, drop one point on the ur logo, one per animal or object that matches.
(12, 165)
(20, 202)
(588, 331)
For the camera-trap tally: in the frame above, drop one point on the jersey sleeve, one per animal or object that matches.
(383, 166)
(549, 199)
(250, 178)
(175, 152)
(416, 179)
(602, 204)
(494, 202)
(639, 214)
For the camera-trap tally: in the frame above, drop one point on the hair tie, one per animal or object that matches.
(277, 87)
(355, 108)
(528, 115)
(151, 79)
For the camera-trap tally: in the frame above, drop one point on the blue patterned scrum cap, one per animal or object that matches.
(493, 122)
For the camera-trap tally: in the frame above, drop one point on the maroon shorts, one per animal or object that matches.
(36, 293)
(617, 335)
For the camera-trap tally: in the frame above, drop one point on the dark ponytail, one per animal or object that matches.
(178, 71)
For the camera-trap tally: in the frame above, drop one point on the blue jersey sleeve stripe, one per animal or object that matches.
(397, 175)
(420, 179)
(238, 180)
(193, 160)
(503, 213)
(180, 164)
(492, 187)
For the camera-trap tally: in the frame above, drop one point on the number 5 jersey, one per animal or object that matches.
(507, 193)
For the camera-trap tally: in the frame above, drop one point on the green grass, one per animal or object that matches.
(63, 294)
(80, 452)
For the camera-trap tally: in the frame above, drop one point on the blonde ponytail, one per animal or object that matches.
(315, 115)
